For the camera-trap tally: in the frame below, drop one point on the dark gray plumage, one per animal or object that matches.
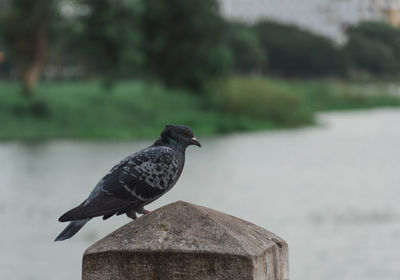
(136, 181)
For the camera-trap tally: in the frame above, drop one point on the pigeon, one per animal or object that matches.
(135, 181)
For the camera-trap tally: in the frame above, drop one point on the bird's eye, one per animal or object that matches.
(184, 133)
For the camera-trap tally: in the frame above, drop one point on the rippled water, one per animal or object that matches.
(332, 191)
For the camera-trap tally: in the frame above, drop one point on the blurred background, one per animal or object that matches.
(295, 104)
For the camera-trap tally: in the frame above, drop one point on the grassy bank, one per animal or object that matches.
(132, 110)
(338, 95)
(138, 110)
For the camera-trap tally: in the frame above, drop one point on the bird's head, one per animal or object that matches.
(179, 135)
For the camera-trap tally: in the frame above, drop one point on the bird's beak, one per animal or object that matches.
(195, 142)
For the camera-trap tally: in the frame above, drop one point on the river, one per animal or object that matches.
(331, 191)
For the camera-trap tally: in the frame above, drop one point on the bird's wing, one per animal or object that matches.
(137, 179)
(144, 175)
(101, 205)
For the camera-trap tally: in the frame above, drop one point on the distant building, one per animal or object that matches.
(325, 17)
(387, 10)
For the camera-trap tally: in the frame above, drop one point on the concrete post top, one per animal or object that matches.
(188, 228)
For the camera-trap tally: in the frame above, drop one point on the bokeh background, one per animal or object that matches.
(295, 104)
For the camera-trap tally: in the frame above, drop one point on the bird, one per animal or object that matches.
(135, 181)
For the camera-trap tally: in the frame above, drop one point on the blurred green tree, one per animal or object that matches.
(108, 38)
(183, 42)
(374, 47)
(296, 52)
(26, 27)
(248, 57)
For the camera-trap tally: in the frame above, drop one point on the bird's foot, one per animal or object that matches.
(132, 215)
(142, 211)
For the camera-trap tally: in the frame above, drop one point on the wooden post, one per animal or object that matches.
(182, 241)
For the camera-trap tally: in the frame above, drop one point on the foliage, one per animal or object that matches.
(26, 27)
(328, 95)
(374, 47)
(168, 41)
(183, 43)
(180, 44)
(139, 110)
(261, 99)
(82, 110)
(108, 37)
(295, 52)
(247, 54)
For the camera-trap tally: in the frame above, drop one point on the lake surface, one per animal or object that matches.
(331, 191)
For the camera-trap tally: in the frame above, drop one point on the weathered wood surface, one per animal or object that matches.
(182, 241)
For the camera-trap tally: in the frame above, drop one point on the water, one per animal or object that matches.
(330, 191)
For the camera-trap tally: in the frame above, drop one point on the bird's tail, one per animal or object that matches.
(72, 228)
